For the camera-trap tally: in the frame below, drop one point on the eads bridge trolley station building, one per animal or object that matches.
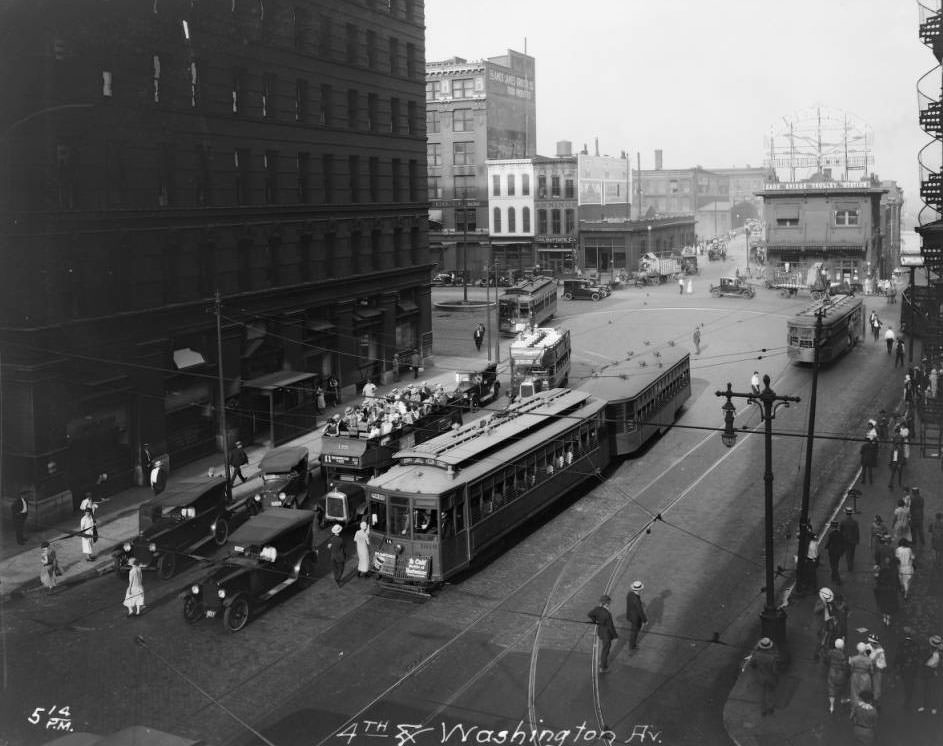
(156, 153)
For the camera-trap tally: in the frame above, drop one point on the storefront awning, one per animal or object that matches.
(555, 249)
(406, 307)
(781, 248)
(367, 315)
(186, 357)
(511, 242)
(278, 380)
(322, 327)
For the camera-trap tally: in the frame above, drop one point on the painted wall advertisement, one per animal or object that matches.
(604, 180)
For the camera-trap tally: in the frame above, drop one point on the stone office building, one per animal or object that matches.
(156, 152)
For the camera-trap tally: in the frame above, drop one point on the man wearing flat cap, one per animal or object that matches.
(635, 613)
(605, 630)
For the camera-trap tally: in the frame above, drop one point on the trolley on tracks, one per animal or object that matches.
(842, 328)
(450, 498)
(643, 395)
(527, 304)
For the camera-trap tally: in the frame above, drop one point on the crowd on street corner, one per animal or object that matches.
(865, 640)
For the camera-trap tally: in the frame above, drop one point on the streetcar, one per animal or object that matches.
(644, 395)
(450, 498)
(540, 360)
(842, 328)
(528, 304)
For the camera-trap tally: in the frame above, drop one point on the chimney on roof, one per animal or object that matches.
(597, 146)
(564, 148)
(658, 159)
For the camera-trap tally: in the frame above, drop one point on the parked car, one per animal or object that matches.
(583, 289)
(177, 522)
(269, 554)
(286, 478)
(732, 286)
(447, 278)
(477, 387)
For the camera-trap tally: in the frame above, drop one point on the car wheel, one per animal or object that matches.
(166, 566)
(568, 296)
(193, 610)
(221, 532)
(595, 297)
(750, 293)
(715, 293)
(237, 613)
(306, 572)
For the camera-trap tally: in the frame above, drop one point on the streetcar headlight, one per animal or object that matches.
(258, 498)
(399, 548)
(195, 590)
(152, 547)
(221, 593)
(126, 546)
(188, 512)
(282, 496)
(268, 554)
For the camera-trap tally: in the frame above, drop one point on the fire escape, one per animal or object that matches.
(920, 312)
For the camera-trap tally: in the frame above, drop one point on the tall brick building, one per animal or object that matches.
(155, 152)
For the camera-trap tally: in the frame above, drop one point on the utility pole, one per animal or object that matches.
(804, 575)
(222, 394)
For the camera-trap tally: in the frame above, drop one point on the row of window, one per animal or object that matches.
(488, 495)
(643, 409)
(496, 226)
(555, 226)
(463, 120)
(847, 217)
(458, 87)
(365, 179)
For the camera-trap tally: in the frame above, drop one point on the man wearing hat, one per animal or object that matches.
(338, 553)
(635, 613)
(765, 660)
(852, 535)
(835, 547)
(237, 460)
(907, 664)
(932, 670)
(917, 505)
(605, 630)
(879, 659)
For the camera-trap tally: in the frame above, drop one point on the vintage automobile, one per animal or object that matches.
(447, 279)
(477, 387)
(177, 522)
(732, 286)
(285, 478)
(583, 289)
(270, 553)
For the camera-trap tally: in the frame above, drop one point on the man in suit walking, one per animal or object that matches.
(605, 630)
(635, 613)
(852, 533)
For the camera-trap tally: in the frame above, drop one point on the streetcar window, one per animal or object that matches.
(399, 516)
(460, 517)
(426, 521)
(378, 515)
(448, 528)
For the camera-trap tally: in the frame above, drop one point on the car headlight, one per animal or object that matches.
(126, 546)
(282, 496)
(258, 498)
(268, 554)
(195, 590)
(221, 593)
(152, 547)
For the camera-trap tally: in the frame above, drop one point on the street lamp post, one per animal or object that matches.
(772, 618)
(649, 239)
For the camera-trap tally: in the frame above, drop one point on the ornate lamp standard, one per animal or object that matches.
(772, 618)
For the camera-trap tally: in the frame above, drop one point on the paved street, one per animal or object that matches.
(508, 645)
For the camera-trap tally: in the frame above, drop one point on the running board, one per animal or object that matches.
(278, 589)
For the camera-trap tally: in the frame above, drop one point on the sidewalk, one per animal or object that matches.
(117, 516)
(801, 715)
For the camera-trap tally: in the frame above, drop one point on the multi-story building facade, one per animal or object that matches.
(837, 224)
(556, 208)
(683, 191)
(511, 211)
(611, 246)
(164, 152)
(744, 184)
(475, 111)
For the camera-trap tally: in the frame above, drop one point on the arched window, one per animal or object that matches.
(496, 220)
(512, 221)
(525, 220)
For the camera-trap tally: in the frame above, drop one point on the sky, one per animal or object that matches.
(707, 81)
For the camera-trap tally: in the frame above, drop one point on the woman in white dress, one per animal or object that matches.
(134, 595)
(362, 540)
(905, 564)
(87, 527)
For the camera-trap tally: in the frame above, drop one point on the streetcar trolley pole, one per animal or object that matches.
(772, 618)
